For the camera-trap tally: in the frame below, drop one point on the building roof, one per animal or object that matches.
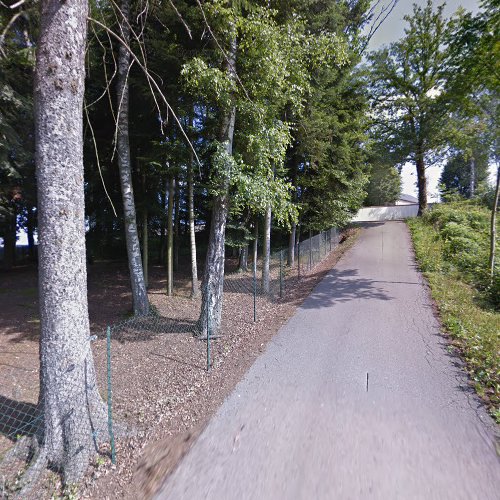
(409, 198)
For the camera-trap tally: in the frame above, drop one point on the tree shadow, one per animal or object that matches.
(18, 418)
(144, 328)
(342, 286)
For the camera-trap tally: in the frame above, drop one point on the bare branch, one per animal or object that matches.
(152, 82)
(98, 161)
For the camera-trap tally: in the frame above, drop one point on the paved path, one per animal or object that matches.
(355, 398)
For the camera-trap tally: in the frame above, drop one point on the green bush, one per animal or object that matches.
(452, 247)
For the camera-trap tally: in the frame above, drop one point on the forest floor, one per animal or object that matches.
(161, 388)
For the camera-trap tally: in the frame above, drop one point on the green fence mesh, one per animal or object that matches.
(126, 349)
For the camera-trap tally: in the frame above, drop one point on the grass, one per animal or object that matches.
(468, 313)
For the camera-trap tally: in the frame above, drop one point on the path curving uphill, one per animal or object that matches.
(357, 397)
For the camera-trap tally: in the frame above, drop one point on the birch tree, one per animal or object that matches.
(138, 285)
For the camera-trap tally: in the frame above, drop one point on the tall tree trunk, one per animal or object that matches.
(421, 183)
(472, 183)
(170, 237)
(213, 276)
(163, 228)
(493, 227)
(10, 236)
(243, 263)
(73, 413)
(266, 251)
(255, 245)
(176, 224)
(145, 246)
(30, 229)
(195, 289)
(291, 245)
(139, 294)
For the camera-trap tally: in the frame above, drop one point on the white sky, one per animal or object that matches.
(391, 31)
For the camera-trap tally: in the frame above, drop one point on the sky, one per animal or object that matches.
(390, 31)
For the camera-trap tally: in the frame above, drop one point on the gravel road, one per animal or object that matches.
(356, 397)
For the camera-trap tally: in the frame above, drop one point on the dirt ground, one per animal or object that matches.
(162, 392)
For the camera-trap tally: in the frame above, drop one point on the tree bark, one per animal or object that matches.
(266, 251)
(291, 245)
(176, 224)
(255, 245)
(163, 228)
(195, 289)
(72, 410)
(472, 183)
(213, 276)
(30, 230)
(170, 237)
(139, 293)
(421, 183)
(243, 261)
(145, 246)
(493, 227)
(10, 236)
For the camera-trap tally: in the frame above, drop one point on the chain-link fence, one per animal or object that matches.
(126, 385)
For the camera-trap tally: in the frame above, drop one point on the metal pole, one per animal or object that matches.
(281, 274)
(208, 329)
(110, 397)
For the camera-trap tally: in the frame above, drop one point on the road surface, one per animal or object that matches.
(357, 397)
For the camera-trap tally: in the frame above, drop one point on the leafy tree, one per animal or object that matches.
(473, 81)
(459, 174)
(384, 187)
(407, 81)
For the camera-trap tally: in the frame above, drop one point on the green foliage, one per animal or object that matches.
(385, 183)
(456, 174)
(462, 229)
(466, 311)
(406, 80)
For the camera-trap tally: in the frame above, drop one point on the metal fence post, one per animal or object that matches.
(110, 397)
(208, 329)
(281, 274)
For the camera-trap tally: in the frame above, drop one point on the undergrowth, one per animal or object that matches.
(451, 244)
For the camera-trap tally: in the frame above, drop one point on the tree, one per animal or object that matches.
(384, 187)
(473, 68)
(462, 176)
(407, 81)
(72, 410)
(139, 293)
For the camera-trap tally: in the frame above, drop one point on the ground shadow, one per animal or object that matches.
(18, 418)
(343, 286)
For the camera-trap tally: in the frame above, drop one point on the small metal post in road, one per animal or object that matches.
(281, 274)
(254, 291)
(110, 397)
(208, 329)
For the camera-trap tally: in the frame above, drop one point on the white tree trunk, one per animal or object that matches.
(493, 227)
(170, 237)
(266, 251)
(139, 294)
(195, 290)
(72, 409)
